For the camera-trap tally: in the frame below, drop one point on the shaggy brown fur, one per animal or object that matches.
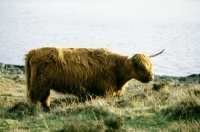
(82, 72)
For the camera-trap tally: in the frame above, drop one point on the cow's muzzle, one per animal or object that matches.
(148, 79)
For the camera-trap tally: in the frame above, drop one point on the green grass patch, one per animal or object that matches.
(154, 107)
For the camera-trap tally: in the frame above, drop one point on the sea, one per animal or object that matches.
(126, 27)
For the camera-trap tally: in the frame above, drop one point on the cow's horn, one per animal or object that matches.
(156, 54)
(131, 57)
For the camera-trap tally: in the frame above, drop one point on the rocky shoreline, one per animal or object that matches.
(11, 69)
(19, 70)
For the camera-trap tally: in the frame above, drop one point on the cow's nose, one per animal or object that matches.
(151, 78)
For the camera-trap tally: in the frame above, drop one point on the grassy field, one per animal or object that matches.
(160, 106)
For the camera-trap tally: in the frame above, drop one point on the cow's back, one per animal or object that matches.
(69, 69)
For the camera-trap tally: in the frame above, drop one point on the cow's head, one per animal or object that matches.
(142, 68)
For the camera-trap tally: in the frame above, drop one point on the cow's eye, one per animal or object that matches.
(142, 69)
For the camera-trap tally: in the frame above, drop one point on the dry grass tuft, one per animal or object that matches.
(187, 108)
(185, 126)
(109, 124)
(123, 103)
(114, 123)
(64, 102)
(77, 126)
(161, 86)
(197, 92)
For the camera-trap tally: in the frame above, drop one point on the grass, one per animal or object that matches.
(160, 106)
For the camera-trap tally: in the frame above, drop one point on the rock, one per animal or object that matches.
(22, 68)
(2, 65)
(9, 66)
(2, 70)
(12, 69)
(16, 71)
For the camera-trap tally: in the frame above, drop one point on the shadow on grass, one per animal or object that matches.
(20, 110)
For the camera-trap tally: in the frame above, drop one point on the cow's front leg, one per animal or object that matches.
(45, 100)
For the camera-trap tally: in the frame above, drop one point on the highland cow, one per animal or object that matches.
(84, 72)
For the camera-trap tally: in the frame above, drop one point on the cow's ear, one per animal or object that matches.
(131, 57)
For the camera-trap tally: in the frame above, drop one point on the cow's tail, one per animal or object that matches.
(28, 72)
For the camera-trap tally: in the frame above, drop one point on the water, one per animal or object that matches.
(124, 26)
